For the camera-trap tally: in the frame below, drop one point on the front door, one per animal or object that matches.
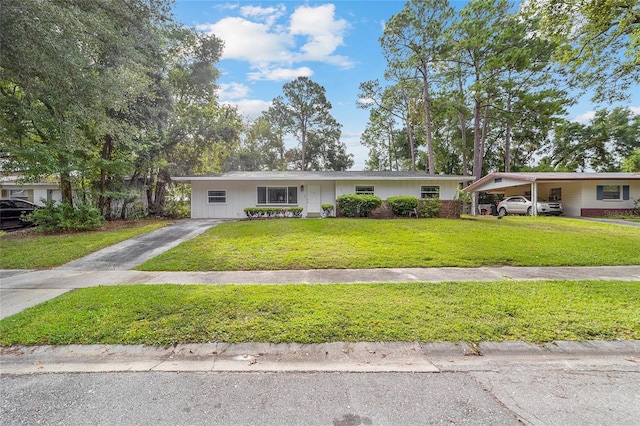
(314, 200)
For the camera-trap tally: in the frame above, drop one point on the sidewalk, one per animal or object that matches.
(20, 289)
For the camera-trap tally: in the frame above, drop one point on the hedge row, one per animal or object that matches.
(357, 205)
(272, 212)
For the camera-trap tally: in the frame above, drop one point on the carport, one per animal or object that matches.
(582, 194)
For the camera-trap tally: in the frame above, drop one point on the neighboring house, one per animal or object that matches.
(582, 194)
(11, 187)
(227, 195)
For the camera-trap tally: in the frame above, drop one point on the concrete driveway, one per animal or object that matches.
(131, 253)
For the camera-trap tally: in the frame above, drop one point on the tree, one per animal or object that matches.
(305, 113)
(602, 145)
(598, 40)
(69, 70)
(632, 162)
(399, 101)
(415, 39)
(262, 148)
(196, 134)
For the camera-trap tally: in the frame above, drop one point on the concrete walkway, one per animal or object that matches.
(20, 289)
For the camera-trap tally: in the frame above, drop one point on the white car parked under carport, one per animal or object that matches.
(522, 205)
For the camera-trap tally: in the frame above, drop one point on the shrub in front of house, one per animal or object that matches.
(53, 217)
(272, 212)
(357, 205)
(403, 205)
(327, 210)
(429, 207)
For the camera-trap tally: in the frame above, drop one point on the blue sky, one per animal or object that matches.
(335, 44)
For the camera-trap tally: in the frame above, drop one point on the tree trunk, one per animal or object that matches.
(477, 141)
(431, 168)
(303, 144)
(463, 134)
(104, 202)
(507, 139)
(411, 144)
(161, 191)
(65, 188)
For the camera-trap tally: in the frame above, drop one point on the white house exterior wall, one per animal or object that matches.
(613, 207)
(389, 188)
(243, 194)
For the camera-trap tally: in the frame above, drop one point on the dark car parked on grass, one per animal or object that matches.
(13, 211)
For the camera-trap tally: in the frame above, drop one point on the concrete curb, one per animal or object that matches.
(326, 357)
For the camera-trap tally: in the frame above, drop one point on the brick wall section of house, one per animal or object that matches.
(605, 212)
(450, 209)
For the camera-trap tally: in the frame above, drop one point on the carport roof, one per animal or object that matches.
(321, 176)
(480, 184)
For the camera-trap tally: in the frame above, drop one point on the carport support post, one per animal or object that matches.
(534, 198)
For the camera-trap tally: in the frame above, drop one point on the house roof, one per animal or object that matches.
(549, 177)
(320, 176)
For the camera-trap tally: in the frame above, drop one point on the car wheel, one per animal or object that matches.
(502, 212)
(529, 211)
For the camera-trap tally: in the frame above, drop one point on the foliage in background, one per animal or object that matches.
(305, 113)
(111, 98)
(357, 205)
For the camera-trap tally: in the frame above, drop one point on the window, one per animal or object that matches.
(365, 189)
(429, 192)
(612, 192)
(217, 197)
(21, 194)
(497, 180)
(555, 194)
(277, 195)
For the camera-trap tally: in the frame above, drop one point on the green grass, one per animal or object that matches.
(39, 251)
(363, 243)
(531, 311)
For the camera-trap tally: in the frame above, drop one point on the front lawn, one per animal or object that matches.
(366, 243)
(531, 311)
(28, 249)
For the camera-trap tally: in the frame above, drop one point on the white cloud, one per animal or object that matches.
(233, 91)
(269, 15)
(585, 118)
(280, 74)
(250, 108)
(249, 41)
(324, 33)
(313, 34)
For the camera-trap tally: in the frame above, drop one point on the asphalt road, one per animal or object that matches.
(506, 385)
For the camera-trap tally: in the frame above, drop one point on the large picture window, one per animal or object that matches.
(612, 192)
(365, 189)
(430, 191)
(218, 196)
(277, 195)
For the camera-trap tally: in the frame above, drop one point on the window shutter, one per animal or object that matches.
(600, 192)
(625, 192)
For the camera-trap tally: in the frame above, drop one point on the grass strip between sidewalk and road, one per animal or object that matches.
(533, 311)
(402, 243)
(38, 251)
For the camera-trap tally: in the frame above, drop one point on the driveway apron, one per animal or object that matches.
(135, 251)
